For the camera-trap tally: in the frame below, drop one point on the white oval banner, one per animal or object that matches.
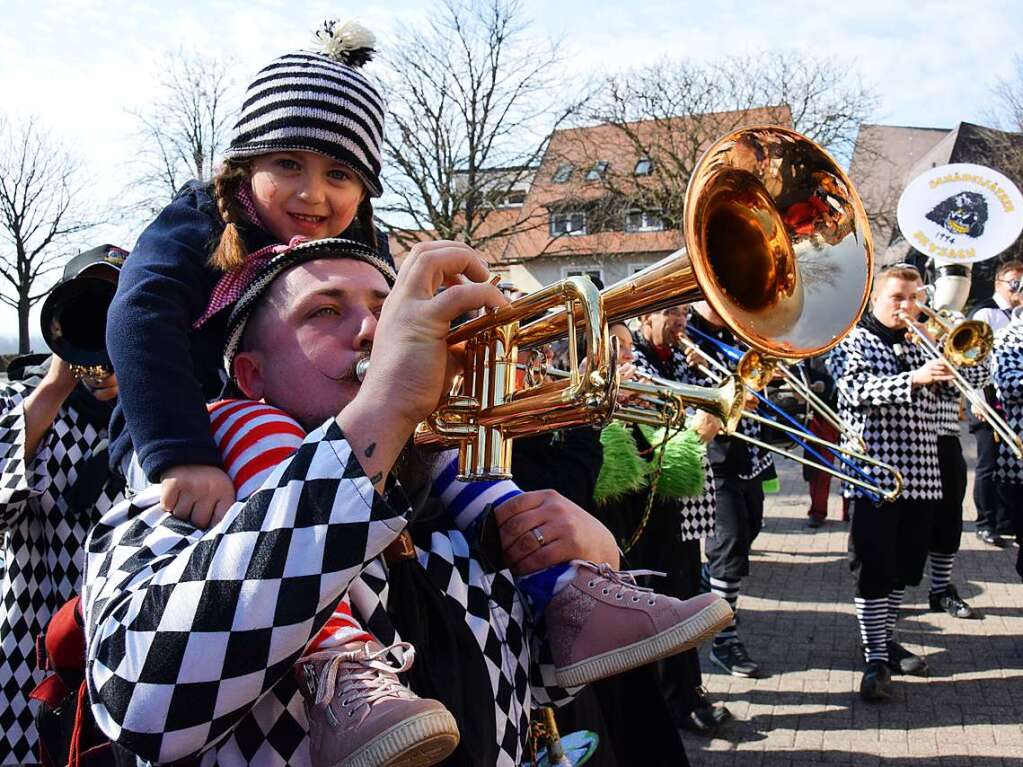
(960, 213)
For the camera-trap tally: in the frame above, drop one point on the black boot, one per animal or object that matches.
(705, 718)
(902, 661)
(876, 684)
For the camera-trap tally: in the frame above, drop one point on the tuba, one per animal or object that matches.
(777, 241)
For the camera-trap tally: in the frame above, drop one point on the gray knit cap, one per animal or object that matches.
(317, 102)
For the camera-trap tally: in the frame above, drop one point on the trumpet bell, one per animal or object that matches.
(74, 321)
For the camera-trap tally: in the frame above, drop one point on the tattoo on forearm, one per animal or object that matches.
(375, 479)
(369, 450)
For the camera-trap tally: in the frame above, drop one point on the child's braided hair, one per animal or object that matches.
(230, 251)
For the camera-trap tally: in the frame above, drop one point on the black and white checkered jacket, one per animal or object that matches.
(950, 400)
(43, 527)
(898, 421)
(697, 512)
(192, 635)
(1007, 371)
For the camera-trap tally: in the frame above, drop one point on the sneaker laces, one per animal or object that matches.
(625, 580)
(361, 677)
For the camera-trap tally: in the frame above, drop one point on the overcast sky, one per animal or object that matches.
(78, 65)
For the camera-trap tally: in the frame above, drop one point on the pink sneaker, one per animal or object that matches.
(360, 715)
(602, 624)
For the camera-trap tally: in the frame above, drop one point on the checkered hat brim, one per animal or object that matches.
(300, 254)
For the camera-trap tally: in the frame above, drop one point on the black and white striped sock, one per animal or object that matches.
(729, 591)
(941, 571)
(872, 615)
(895, 597)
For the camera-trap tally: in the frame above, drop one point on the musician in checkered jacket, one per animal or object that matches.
(656, 352)
(194, 637)
(739, 471)
(889, 390)
(1007, 371)
(947, 528)
(54, 485)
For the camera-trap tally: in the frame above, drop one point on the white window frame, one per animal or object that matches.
(567, 168)
(597, 170)
(647, 216)
(556, 216)
(588, 269)
(504, 202)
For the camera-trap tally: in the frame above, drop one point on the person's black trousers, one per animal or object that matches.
(888, 544)
(989, 496)
(947, 524)
(737, 523)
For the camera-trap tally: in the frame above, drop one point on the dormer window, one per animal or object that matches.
(563, 173)
(597, 171)
(644, 167)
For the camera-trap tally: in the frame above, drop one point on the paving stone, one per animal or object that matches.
(797, 619)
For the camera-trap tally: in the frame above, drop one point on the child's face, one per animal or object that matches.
(304, 193)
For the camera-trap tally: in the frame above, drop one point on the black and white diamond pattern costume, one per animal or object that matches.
(192, 635)
(950, 400)
(1007, 371)
(697, 512)
(44, 526)
(898, 421)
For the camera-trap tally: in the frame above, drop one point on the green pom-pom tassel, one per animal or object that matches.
(623, 471)
(771, 486)
(682, 473)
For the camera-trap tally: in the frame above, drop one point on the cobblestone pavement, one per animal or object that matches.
(797, 620)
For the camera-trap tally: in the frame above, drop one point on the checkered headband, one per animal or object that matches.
(317, 102)
(291, 256)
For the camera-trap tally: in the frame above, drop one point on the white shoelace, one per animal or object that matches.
(361, 677)
(625, 580)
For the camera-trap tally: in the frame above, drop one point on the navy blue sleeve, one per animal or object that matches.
(163, 287)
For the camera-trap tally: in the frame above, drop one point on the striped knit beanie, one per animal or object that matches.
(317, 101)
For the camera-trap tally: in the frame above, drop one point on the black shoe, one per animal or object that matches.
(876, 684)
(705, 718)
(902, 661)
(815, 521)
(734, 659)
(950, 602)
(990, 537)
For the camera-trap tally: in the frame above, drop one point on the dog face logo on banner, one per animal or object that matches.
(960, 213)
(963, 213)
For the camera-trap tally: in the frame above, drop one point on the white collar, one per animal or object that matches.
(1002, 303)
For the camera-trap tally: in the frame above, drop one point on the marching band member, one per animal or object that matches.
(988, 495)
(947, 527)
(655, 351)
(888, 393)
(54, 485)
(1008, 378)
(738, 471)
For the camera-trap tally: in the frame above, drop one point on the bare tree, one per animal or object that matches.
(472, 100)
(41, 212)
(184, 131)
(1008, 92)
(666, 114)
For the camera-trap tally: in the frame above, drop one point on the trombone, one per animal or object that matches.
(963, 342)
(1002, 430)
(718, 372)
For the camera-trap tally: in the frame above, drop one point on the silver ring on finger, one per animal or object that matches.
(538, 534)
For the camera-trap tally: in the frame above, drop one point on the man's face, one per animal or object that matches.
(892, 296)
(1003, 287)
(663, 328)
(319, 320)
